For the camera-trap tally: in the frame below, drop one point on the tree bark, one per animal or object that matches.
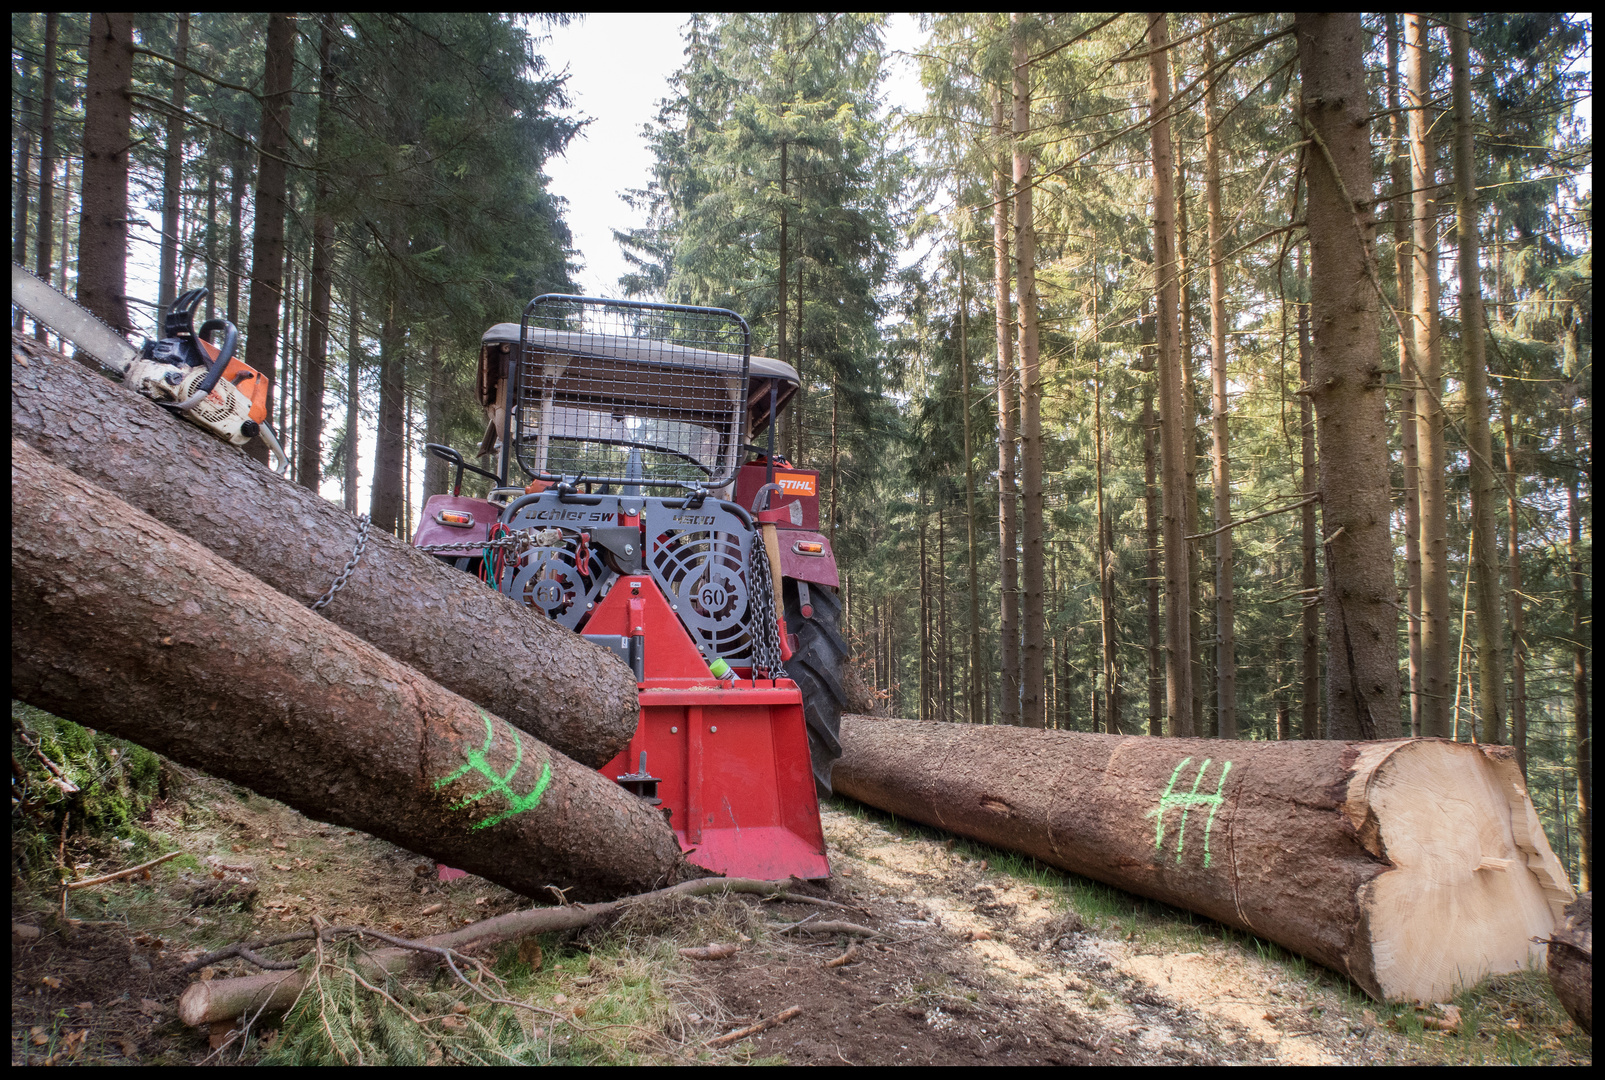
(1175, 440)
(1151, 540)
(44, 248)
(1008, 534)
(1399, 209)
(972, 683)
(1033, 617)
(1309, 572)
(1437, 673)
(23, 163)
(1413, 867)
(1362, 662)
(1479, 436)
(408, 604)
(1202, 718)
(1518, 644)
(1109, 631)
(384, 502)
(170, 652)
(1225, 622)
(267, 233)
(238, 177)
(173, 176)
(1571, 962)
(1582, 625)
(103, 203)
(315, 375)
(353, 400)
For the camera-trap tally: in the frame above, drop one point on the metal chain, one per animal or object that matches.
(519, 541)
(351, 564)
(766, 654)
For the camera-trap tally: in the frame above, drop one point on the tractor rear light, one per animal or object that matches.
(807, 547)
(455, 518)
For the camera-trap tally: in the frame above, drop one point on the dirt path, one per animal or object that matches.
(973, 962)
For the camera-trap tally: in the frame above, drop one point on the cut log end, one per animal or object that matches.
(1471, 883)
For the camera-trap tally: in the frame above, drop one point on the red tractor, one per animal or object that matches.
(631, 504)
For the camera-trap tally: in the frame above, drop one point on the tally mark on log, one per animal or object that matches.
(477, 762)
(1186, 801)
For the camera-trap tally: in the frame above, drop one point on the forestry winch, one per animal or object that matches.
(631, 423)
(184, 371)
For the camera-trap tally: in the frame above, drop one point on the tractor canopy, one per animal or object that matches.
(619, 406)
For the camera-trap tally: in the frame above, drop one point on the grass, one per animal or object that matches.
(1505, 1019)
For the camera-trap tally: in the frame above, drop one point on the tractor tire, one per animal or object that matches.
(816, 667)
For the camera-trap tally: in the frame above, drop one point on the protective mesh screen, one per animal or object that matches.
(623, 392)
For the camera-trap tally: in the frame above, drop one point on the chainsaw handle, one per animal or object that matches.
(231, 340)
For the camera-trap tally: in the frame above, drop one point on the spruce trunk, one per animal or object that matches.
(1225, 620)
(1033, 616)
(1414, 867)
(443, 622)
(103, 202)
(1009, 586)
(1175, 433)
(190, 656)
(1362, 662)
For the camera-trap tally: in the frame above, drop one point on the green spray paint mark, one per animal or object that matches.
(477, 762)
(1186, 801)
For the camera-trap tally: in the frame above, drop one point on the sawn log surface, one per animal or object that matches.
(574, 696)
(123, 624)
(1407, 865)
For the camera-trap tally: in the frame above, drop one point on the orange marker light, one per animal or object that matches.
(455, 519)
(804, 547)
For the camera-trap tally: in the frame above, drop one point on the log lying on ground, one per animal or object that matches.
(1571, 962)
(122, 624)
(1411, 866)
(570, 694)
(275, 991)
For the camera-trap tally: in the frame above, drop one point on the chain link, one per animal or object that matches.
(766, 654)
(519, 541)
(351, 564)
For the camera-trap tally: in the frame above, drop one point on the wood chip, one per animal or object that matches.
(715, 951)
(845, 958)
(433, 909)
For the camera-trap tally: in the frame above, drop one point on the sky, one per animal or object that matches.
(618, 69)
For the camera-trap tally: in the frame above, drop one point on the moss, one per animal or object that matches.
(117, 781)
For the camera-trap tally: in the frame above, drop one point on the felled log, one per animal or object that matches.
(570, 694)
(1412, 866)
(275, 991)
(120, 623)
(1571, 961)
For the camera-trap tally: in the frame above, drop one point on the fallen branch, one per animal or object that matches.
(130, 872)
(845, 958)
(716, 951)
(224, 999)
(762, 1025)
(831, 928)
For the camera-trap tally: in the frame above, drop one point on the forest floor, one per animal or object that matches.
(981, 958)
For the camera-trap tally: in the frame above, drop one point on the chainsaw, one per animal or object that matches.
(185, 371)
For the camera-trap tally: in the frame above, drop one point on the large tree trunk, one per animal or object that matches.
(310, 469)
(1518, 646)
(1033, 617)
(469, 638)
(1479, 437)
(1225, 623)
(1309, 567)
(389, 453)
(1150, 501)
(1362, 658)
(103, 205)
(972, 682)
(23, 163)
(348, 486)
(1413, 867)
(1009, 586)
(189, 656)
(237, 181)
(173, 175)
(1438, 677)
(1399, 209)
(267, 234)
(1175, 433)
(45, 245)
(1571, 962)
(1582, 627)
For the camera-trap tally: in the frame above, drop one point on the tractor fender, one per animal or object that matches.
(817, 569)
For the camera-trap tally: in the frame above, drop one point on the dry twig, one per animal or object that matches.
(762, 1025)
